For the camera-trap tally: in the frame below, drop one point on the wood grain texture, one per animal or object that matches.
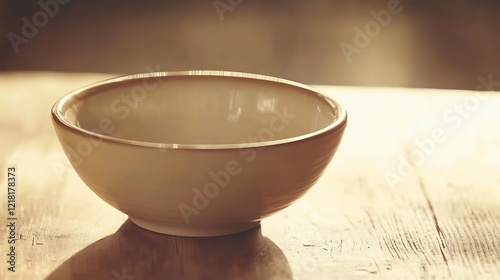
(439, 220)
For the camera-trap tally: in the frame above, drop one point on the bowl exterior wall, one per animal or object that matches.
(198, 188)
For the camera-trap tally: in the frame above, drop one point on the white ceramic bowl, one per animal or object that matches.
(198, 153)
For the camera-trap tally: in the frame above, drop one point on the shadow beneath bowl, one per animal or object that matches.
(133, 253)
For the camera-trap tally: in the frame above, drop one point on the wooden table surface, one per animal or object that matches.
(412, 193)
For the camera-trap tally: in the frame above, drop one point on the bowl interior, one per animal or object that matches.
(199, 110)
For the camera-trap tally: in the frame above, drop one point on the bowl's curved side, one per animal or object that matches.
(197, 192)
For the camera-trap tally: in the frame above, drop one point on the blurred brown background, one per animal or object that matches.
(439, 44)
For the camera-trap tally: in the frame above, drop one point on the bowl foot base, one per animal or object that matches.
(193, 231)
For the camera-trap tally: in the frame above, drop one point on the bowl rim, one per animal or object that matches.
(59, 119)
